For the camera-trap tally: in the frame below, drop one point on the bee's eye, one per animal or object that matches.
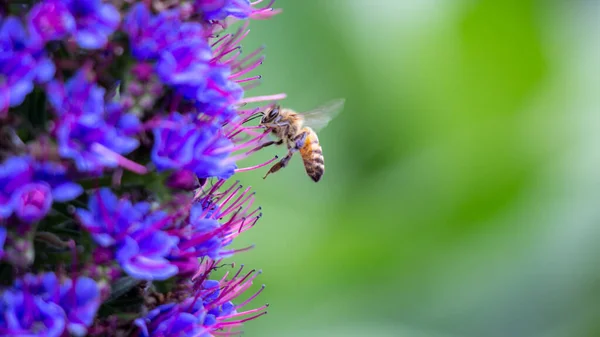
(274, 112)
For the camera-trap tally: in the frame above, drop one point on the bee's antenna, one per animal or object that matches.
(254, 116)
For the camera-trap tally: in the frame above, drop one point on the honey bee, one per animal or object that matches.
(298, 132)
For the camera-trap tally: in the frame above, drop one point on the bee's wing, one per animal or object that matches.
(319, 117)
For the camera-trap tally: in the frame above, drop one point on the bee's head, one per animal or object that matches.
(270, 115)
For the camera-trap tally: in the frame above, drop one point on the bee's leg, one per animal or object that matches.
(300, 139)
(269, 143)
(280, 164)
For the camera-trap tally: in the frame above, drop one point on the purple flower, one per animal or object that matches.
(134, 231)
(185, 63)
(50, 20)
(149, 35)
(90, 21)
(220, 9)
(18, 66)
(219, 94)
(183, 57)
(29, 188)
(92, 133)
(38, 305)
(205, 238)
(13, 37)
(94, 21)
(80, 303)
(174, 320)
(212, 225)
(32, 202)
(207, 309)
(78, 96)
(179, 143)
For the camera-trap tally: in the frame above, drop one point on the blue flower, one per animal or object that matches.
(207, 309)
(19, 67)
(149, 35)
(94, 21)
(220, 9)
(181, 144)
(14, 38)
(185, 63)
(174, 320)
(201, 241)
(50, 20)
(202, 234)
(31, 202)
(39, 305)
(92, 133)
(80, 303)
(90, 21)
(29, 188)
(220, 93)
(25, 314)
(134, 231)
(78, 96)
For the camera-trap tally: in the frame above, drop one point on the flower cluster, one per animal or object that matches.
(121, 123)
(44, 305)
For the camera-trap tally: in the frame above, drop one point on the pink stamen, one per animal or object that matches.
(225, 53)
(247, 58)
(253, 127)
(239, 272)
(244, 214)
(250, 202)
(122, 161)
(247, 143)
(251, 86)
(248, 69)
(226, 333)
(224, 278)
(250, 298)
(255, 99)
(232, 58)
(224, 194)
(235, 251)
(211, 191)
(232, 38)
(218, 210)
(234, 204)
(248, 131)
(220, 40)
(241, 37)
(241, 321)
(244, 228)
(235, 288)
(253, 78)
(203, 271)
(245, 169)
(247, 312)
(264, 14)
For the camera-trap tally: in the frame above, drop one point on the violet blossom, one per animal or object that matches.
(126, 121)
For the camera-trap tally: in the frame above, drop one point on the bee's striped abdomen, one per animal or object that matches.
(312, 155)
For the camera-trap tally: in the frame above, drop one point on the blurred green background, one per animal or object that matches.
(462, 189)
